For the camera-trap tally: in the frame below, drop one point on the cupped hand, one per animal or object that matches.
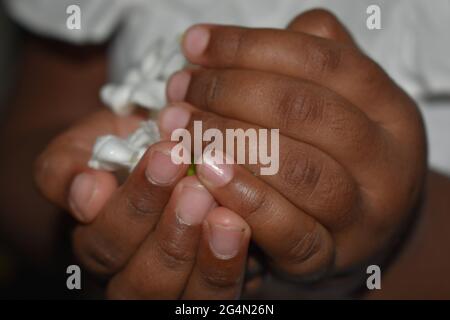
(352, 145)
(159, 235)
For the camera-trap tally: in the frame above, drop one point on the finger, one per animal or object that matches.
(292, 54)
(309, 178)
(320, 188)
(161, 266)
(89, 192)
(67, 156)
(105, 245)
(321, 23)
(295, 241)
(301, 110)
(220, 265)
(314, 183)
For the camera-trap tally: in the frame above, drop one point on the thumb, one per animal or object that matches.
(321, 23)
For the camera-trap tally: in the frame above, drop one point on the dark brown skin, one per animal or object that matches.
(33, 109)
(421, 269)
(380, 168)
(352, 145)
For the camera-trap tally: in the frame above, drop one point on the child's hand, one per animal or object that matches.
(159, 235)
(352, 146)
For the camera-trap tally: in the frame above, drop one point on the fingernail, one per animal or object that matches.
(214, 173)
(172, 118)
(80, 195)
(178, 85)
(193, 205)
(196, 40)
(225, 241)
(160, 168)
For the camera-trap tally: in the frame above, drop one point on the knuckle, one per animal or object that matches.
(217, 278)
(341, 120)
(172, 255)
(204, 88)
(328, 22)
(358, 135)
(143, 203)
(298, 107)
(354, 129)
(323, 59)
(369, 73)
(213, 85)
(300, 173)
(303, 246)
(366, 135)
(236, 43)
(252, 200)
(142, 206)
(336, 196)
(324, 188)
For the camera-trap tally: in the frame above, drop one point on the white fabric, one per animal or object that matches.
(413, 45)
(99, 18)
(146, 85)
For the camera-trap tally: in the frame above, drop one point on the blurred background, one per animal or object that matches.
(20, 276)
(8, 49)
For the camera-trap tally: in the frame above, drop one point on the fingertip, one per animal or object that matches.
(216, 171)
(195, 41)
(53, 170)
(162, 165)
(173, 117)
(177, 86)
(228, 233)
(192, 201)
(89, 192)
(321, 23)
